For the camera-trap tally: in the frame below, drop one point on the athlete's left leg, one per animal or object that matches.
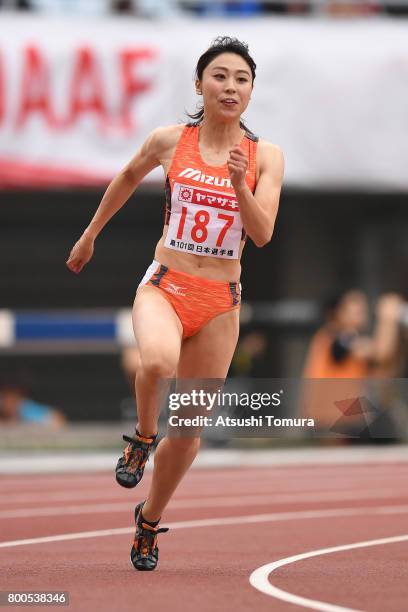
(207, 354)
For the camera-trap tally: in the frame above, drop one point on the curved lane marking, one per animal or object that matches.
(259, 578)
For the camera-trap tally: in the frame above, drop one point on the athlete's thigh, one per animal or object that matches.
(208, 353)
(157, 328)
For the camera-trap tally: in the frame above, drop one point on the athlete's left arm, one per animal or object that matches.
(259, 210)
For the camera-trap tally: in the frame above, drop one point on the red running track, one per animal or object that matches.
(225, 524)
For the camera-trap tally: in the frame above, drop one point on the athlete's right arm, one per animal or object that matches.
(120, 189)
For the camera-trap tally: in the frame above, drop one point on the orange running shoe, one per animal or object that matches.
(130, 467)
(145, 552)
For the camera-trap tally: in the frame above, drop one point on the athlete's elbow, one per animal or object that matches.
(259, 243)
(262, 239)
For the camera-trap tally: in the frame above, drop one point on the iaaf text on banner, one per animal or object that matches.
(78, 98)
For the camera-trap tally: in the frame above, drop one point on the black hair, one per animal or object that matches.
(332, 304)
(222, 44)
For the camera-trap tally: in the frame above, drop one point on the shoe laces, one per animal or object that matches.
(146, 538)
(136, 453)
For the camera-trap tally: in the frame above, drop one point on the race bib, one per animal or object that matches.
(204, 222)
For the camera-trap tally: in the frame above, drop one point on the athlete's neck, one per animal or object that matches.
(220, 136)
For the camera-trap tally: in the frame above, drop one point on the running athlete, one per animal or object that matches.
(222, 185)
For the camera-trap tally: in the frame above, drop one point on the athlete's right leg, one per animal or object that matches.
(158, 333)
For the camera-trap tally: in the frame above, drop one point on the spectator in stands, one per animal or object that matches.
(342, 349)
(17, 407)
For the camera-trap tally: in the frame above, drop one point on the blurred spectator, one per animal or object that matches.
(334, 352)
(342, 349)
(17, 407)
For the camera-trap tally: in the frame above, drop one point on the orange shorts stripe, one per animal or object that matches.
(196, 300)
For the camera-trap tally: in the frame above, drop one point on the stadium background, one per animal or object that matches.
(336, 228)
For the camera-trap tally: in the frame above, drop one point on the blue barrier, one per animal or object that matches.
(64, 327)
(18, 328)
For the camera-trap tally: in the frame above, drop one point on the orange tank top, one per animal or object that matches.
(202, 210)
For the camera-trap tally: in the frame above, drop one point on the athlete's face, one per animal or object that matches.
(226, 87)
(352, 313)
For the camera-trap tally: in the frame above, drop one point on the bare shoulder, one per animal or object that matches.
(269, 152)
(270, 159)
(156, 150)
(162, 139)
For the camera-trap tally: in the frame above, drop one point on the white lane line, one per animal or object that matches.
(260, 577)
(214, 522)
(212, 502)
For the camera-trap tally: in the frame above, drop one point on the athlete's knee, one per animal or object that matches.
(159, 366)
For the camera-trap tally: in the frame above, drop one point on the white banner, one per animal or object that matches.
(78, 97)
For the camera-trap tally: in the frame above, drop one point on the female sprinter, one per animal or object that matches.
(222, 185)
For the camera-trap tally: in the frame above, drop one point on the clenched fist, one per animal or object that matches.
(81, 253)
(237, 166)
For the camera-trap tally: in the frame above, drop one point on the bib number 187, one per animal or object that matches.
(199, 230)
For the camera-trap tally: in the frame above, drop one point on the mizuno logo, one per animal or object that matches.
(197, 175)
(175, 289)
